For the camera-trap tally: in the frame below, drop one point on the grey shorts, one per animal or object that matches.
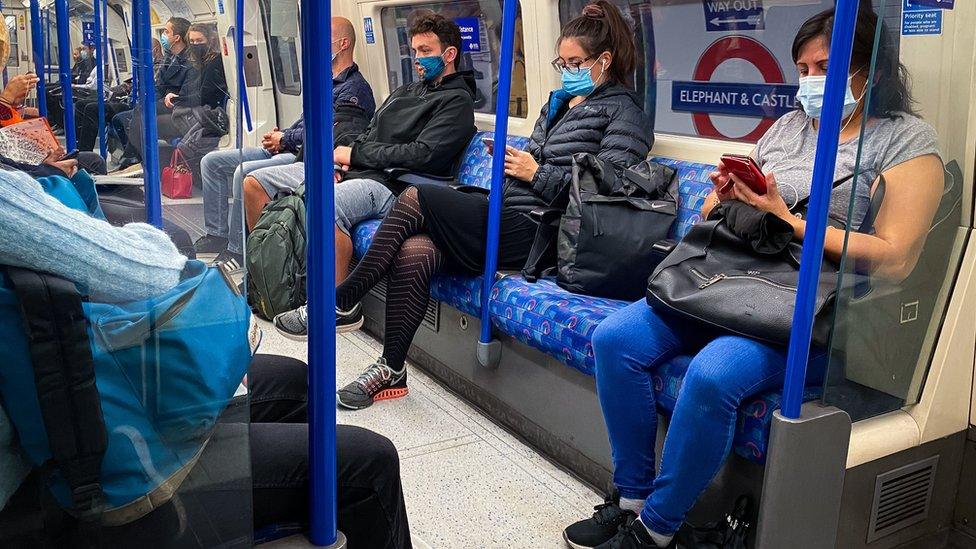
(357, 200)
(277, 179)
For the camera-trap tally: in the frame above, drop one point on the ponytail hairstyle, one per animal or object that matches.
(600, 28)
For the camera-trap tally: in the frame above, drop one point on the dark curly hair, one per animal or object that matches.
(446, 30)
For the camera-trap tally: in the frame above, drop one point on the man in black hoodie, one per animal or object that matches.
(422, 127)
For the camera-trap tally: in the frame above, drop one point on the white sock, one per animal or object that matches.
(659, 539)
(632, 505)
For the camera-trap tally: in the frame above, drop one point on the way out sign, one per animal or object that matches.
(733, 15)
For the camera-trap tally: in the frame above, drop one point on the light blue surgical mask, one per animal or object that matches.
(581, 83)
(164, 42)
(811, 96)
(433, 66)
(83, 55)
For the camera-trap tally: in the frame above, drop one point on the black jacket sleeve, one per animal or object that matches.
(434, 150)
(625, 143)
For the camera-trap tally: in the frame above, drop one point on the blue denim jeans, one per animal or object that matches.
(629, 347)
(223, 175)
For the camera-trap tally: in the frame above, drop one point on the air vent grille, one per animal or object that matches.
(902, 497)
(432, 317)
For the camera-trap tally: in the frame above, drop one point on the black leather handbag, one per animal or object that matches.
(739, 270)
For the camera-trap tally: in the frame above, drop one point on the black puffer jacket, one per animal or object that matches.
(609, 124)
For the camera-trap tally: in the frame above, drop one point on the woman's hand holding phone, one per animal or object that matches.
(770, 202)
(722, 182)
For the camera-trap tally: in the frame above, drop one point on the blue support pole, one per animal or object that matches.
(47, 34)
(243, 107)
(506, 56)
(99, 75)
(37, 47)
(316, 21)
(64, 68)
(147, 102)
(823, 176)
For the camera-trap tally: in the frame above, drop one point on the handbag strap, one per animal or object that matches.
(64, 377)
(802, 203)
(177, 159)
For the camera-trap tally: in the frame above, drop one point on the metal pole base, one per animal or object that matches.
(340, 542)
(490, 354)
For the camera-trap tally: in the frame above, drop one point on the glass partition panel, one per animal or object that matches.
(898, 239)
(481, 27)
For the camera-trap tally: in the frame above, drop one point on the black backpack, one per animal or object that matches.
(605, 238)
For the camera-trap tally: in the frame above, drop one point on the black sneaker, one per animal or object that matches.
(632, 535)
(210, 244)
(378, 382)
(349, 321)
(599, 528)
(234, 263)
(293, 324)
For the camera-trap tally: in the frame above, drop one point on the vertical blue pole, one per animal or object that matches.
(147, 102)
(134, 57)
(243, 108)
(47, 35)
(99, 74)
(64, 68)
(823, 175)
(37, 46)
(316, 21)
(498, 161)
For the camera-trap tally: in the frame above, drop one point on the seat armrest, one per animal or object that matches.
(661, 249)
(546, 216)
(408, 177)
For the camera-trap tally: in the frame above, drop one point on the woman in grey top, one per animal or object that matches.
(896, 144)
(632, 344)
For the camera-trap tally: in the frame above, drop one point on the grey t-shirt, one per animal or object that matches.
(788, 149)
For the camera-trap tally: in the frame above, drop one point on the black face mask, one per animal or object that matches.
(199, 51)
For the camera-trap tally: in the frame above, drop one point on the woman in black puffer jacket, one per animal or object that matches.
(433, 227)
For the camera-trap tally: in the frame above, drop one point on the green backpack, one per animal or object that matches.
(276, 256)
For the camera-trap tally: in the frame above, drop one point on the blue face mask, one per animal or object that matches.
(164, 41)
(811, 96)
(433, 66)
(580, 84)
(83, 55)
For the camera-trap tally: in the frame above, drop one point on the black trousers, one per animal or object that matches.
(166, 129)
(371, 510)
(210, 507)
(86, 120)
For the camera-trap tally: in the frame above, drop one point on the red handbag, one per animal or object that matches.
(177, 180)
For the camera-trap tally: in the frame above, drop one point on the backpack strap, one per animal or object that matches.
(64, 377)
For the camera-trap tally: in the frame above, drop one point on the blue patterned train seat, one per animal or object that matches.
(561, 324)
(461, 292)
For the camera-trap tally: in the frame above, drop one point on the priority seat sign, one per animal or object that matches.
(733, 15)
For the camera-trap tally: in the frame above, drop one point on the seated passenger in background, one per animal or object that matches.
(47, 226)
(84, 62)
(172, 78)
(223, 171)
(631, 344)
(431, 228)
(423, 127)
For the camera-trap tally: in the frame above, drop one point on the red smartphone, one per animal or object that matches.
(746, 169)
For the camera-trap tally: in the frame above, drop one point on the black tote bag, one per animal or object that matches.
(612, 221)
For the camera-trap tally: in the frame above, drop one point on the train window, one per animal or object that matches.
(121, 59)
(479, 52)
(14, 59)
(281, 20)
(714, 69)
